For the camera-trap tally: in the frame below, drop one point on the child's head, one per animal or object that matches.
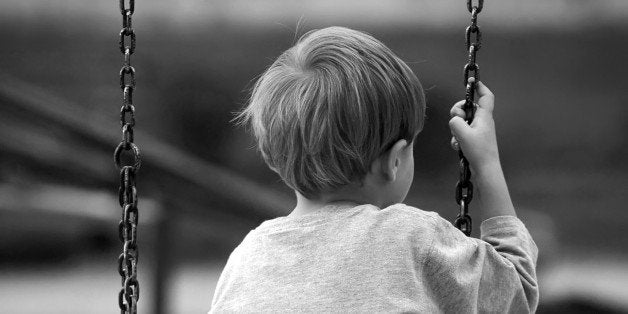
(331, 106)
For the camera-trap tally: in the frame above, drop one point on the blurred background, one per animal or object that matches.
(558, 69)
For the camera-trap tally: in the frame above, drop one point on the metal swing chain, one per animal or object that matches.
(464, 187)
(127, 194)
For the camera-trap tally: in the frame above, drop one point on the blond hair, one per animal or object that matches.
(329, 106)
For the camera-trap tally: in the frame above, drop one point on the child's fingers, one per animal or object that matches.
(486, 99)
(457, 111)
(454, 143)
(459, 128)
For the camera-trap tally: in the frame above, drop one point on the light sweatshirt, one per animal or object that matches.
(367, 259)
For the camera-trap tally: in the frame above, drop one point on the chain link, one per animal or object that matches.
(464, 187)
(127, 193)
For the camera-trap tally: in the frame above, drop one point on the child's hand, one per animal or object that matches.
(477, 141)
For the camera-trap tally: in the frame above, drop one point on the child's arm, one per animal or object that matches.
(479, 144)
(496, 274)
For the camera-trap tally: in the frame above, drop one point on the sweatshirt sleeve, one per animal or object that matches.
(494, 274)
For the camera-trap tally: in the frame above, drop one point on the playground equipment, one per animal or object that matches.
(128, 295)
(464, 187)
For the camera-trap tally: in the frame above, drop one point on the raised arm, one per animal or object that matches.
(479, 144)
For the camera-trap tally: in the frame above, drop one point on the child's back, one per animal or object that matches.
(366, 259)
(336, 117)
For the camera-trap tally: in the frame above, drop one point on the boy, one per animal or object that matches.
(335, 116)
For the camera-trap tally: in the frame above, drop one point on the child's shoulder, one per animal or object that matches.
(405, 213)
(412, 219)
(422, 227)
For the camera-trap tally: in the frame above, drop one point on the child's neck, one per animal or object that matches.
(348, 196)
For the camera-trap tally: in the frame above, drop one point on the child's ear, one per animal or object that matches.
(391, 160)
